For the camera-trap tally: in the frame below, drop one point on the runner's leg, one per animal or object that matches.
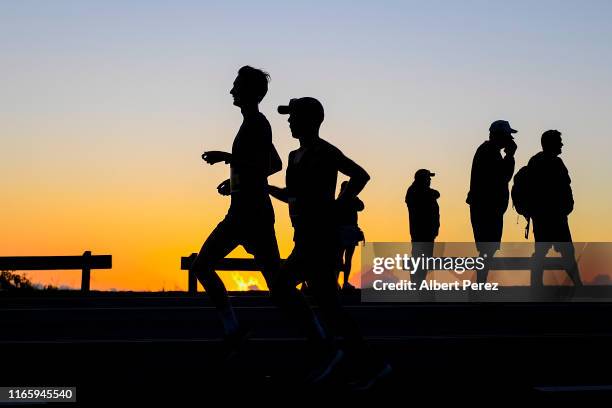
(216, 247)
(348, 262)
(283, 291)
(321, 278)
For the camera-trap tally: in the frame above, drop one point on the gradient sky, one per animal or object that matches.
(106, 107)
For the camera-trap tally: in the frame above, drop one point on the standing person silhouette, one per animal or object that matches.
(350, 233)
(488, 196)
(311, 178)
(551, 203)
(424, 216)
(250, 219)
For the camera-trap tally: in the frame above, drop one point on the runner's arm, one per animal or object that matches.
(215, 156)
(279, 193)
(358, 177)
(276, 164)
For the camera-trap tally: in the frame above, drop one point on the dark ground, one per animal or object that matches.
(165, 347)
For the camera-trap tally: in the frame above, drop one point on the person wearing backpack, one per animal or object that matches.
(550, 203)
(488, 196)
(522, 196)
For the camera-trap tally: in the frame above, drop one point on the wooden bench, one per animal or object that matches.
(85, 263)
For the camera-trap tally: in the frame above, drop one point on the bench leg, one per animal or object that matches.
(86, 273)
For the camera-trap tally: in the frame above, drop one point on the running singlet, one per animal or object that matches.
(249, 169)
(311, 179)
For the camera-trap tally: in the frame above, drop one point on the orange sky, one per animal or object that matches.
(147, 231)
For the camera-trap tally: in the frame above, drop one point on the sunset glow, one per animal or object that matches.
(106, 109)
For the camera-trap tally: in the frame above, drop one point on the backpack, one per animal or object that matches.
(522, 195)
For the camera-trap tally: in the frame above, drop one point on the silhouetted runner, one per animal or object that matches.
(424, 216)
(350, 233)
(311, 178)
(250, 219)
(488, 195)
(551, 203)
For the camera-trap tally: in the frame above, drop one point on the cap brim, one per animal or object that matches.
(513, 131)
(284, 109)
(432, 174)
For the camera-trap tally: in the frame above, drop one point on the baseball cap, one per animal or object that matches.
(423, 173)
(304, 106)
(501, 126)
